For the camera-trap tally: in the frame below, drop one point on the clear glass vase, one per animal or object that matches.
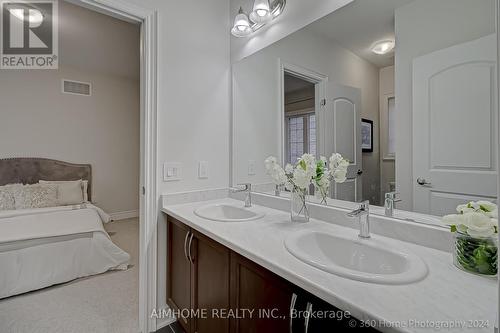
(299, 211)
(476, 255)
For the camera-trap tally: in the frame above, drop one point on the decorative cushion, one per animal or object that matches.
(7, 196)
(85, 187)
(35, 196)
(68, 192)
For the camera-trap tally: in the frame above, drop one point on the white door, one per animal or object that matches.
(341, 131)
(455, 126)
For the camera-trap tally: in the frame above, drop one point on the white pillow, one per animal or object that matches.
(7, 200)
(85, 187)
(68, 192)
(84, 184)
(35, 196)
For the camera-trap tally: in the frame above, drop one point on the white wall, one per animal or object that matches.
(89, 40)
(256, 116)
(387, 167)
(194, 86)
(37, 120)
(424, 26)
(297, 14)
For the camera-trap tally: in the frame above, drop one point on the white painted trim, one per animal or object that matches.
(232, 148)
(148, 210)
(384, 127)
(497, 29)
(320, 82)
(164, 321)
(128, 214)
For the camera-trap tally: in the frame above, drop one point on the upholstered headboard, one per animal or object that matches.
(29, 170)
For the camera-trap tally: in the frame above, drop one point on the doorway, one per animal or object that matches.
(301, 101)
(300, 118)
(148, 206)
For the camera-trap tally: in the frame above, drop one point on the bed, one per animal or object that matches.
(40, 247)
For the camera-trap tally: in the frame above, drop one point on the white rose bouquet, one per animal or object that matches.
(477, 219)
(307, 171)
(336, 172)
(296, 177)
(474, 226)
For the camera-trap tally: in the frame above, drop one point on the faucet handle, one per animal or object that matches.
(248, 186)
(392, 196)
(277, 190)
(365, 206)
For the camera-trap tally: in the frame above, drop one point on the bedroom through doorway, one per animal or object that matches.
(72, 137)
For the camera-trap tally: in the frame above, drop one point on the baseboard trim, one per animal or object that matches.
(163, 321)
(128, 214)
(160, 323)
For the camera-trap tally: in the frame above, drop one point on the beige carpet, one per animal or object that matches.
(104, 303)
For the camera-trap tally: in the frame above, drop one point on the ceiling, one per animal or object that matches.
(293, 83)
(360, 24)
(96, 42)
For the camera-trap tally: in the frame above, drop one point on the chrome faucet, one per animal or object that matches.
(390, 200)
(247, 187)
(363, 215)
(277, 190)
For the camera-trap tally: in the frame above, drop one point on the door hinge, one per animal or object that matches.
(323, 102)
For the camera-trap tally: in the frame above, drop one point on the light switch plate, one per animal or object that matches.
(251, 167)
(171, 171)
(203, 169)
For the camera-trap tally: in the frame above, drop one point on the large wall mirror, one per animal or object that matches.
(419, 119)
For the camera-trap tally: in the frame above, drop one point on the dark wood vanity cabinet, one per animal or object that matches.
(179, 268)
(198, 279)
(225, 292)
(210, 284)
(262, 292)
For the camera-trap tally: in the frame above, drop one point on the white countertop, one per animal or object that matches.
(447, 296)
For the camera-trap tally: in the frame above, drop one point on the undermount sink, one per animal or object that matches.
(227, 213)
(367, 260)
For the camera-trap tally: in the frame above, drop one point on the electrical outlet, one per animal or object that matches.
(171, 172)
(203, 169)
(251, 167)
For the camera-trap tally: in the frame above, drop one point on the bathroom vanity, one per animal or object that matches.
(238, 294)
(241, 266)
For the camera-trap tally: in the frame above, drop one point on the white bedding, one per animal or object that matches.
(46, 246)
(30, 211)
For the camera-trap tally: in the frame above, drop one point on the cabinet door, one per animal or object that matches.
(211, 284)
(179, 270)
(327, 318)
(267, 295)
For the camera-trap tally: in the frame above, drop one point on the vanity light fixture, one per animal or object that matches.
(383, 46)
(264, 11)
(241, 27)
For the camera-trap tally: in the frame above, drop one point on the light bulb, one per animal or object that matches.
(261, 11)
(383, 47)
